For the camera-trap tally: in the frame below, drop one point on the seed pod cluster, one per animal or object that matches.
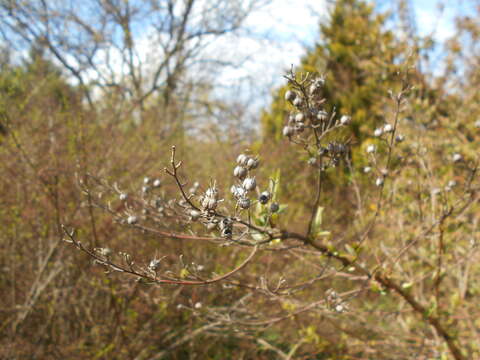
(247, 183)
(309, 115)
(334, 151)
(210, 200)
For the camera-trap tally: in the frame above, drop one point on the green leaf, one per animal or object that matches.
(317, 222)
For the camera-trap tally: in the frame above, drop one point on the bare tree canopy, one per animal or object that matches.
(137, 47)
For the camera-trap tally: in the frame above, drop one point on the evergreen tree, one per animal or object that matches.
(359, 58)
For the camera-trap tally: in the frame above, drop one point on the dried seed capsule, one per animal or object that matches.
(211, 192)
(452, 183)
(123, 196)
(226, 222)
(131, 220)
(290, 95)
(345, 120)
(299, 127)
(240, 172)
(287, 131)
(322, 115)
(264, 197)
(379, 181)
(146, 180)
(388, 128)
(297, 102)
(154, 264)
(244, 203)
(226, 233)
(274, 207)
(195, 214)
(371, 149)
(378, 132)
(238, 191)
(157, 183)
(399, 138)
(299, 117)
(252, 163)
(209, 203)
(249, 184)
(457, 157)
(241, 159)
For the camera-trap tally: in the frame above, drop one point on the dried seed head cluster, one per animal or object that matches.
(310, 124)
(210, 198)
(335, 302)
(246, 181)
